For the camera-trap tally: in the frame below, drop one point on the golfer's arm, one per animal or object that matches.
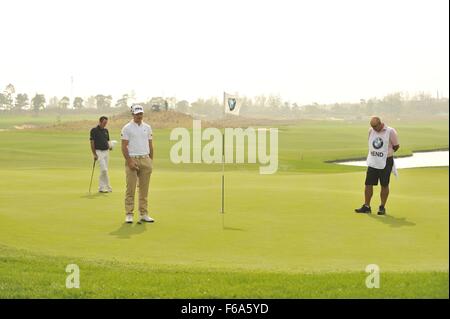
(150, 147)
(93, 147)
(125, 149)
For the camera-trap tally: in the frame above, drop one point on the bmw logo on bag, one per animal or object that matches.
(377, 143)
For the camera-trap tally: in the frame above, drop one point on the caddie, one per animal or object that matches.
(383, 142)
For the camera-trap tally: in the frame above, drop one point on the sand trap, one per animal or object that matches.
(418, 159)
(24, 127)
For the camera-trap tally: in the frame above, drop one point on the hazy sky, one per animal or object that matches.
(322, 51)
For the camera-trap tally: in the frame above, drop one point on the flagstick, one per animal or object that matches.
(223, 166)
(223, 180)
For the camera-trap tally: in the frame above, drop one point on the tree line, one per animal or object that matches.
(271, 106)
(396, 104)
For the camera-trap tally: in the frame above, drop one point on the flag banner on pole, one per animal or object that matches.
(231, 103)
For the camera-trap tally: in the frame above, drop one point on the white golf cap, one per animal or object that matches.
(135, 109)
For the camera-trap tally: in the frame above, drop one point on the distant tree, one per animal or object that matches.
(123, 101)
(420, 103)
(296, 109)
(103, 101)
(260, 101)
(336, 108)
(274, 101)
(354, 108)
(258, 106)
(210, 107)
(64, 103)
(4, 102)
(8, 93)
(392, 103)
(53, 103)
(10, 89)
(78, 103)
(182, 106)
(91, 102)
(369, 107)
(422, 96)
(108, 102)
(21, 101)
(311, 108)
(38, 102)
(157, 103)
(171, 102)
(273, 105)
(286, 108)
(246, 105)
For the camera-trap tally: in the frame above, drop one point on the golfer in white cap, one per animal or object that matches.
(137, 149)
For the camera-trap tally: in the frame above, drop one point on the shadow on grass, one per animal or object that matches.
(125, 231)
(392, 220)
(233, 228)
(94, 195)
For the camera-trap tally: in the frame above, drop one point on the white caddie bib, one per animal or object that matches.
(378, 149)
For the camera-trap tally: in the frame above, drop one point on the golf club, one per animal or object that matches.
(92, 175)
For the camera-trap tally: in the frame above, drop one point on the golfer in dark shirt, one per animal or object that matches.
(100, 146)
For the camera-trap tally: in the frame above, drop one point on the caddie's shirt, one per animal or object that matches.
(137, 137)
(393, 138)
(100, 136)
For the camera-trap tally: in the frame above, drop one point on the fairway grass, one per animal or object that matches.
(10, 121)
(296, 223)
(289, 235)
(23, 275)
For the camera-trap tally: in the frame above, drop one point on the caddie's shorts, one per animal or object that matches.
(384, 175)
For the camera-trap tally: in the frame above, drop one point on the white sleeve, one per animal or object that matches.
(124, 134)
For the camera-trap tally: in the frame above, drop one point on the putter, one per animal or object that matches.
(92, 175)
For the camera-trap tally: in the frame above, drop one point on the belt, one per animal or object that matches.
(140, 156)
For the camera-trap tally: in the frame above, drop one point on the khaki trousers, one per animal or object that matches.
(133, 176)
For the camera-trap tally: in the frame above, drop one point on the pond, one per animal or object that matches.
(418, 159)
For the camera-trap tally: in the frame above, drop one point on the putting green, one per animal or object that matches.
(297, 221)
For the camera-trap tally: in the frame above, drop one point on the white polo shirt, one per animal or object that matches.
(137, 137)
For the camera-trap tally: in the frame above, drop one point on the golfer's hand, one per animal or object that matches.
(132, 164)
(95, 157)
